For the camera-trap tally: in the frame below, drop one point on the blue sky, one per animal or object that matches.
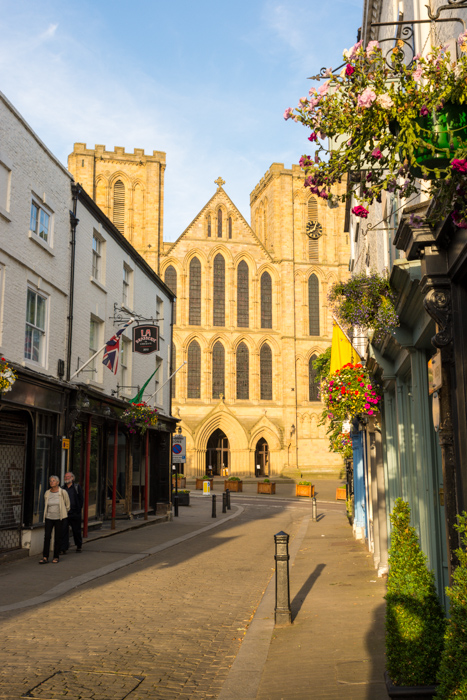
(207, 82)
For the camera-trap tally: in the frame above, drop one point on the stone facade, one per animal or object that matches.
(232, 418)
(129, 188)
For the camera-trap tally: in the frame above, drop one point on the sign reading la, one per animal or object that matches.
(145, 339)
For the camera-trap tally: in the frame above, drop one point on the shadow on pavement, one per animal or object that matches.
(375, 643)
(296, 603)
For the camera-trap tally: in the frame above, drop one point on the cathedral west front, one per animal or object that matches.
(251, 312)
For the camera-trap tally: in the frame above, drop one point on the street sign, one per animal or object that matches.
(178, 449)
(145, 339)
(65, 444)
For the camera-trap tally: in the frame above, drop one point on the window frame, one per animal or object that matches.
(36, 328)
(36, 233)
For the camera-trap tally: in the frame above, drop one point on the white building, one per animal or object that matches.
(58, 302)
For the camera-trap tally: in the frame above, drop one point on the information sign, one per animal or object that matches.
(145, 339)
(178, 449)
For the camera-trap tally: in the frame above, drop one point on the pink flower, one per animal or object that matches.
(367, 98)
(323, 89)
(372, 46)
(367, 406)
(370, 413)
(385, 101)
(376, 154)
(459, 223)
(288, 113)
(313, 137)
(350, 70)
(459, 164)
(417, 74)
(424, 111)
(360, 211)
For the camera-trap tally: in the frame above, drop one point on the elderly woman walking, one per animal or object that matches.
(56, 507)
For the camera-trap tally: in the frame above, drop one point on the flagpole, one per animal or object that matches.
(96, 354)
(168, 380)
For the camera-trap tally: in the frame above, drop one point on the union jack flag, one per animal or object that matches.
(112, 349)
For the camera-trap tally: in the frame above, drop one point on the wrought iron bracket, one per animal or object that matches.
(123, 315)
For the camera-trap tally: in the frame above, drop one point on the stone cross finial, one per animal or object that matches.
(219, 182)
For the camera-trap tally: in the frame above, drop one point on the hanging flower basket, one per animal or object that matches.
(140, 417)
(365, 301)
(7, 376)
(389, 124)
(349, 393)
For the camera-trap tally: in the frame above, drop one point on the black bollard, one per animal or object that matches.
(282, 612)
(214, 505)
(224, 503)
(175, 502)
(313, 509)
(227, 495)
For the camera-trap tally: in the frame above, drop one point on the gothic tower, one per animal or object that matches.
(129, 188)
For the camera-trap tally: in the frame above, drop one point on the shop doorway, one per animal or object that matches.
(262, 458)
(217, 454)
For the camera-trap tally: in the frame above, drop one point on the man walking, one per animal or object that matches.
(75, 494)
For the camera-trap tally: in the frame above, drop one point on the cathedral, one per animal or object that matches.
(251, 313)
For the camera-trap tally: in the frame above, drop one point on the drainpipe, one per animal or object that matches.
(75, 190)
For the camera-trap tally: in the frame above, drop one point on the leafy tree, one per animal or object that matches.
(322, 364)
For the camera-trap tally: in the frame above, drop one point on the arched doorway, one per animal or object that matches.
(262, 458)
(217, 454)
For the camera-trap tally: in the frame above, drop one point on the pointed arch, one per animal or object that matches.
(218, 304)
(313, 384)
(313, 304)
(219, 223)
(243, 295)
(101, 194)
(266, 300)
(170, 278)
(194, 304)
(218, 370)
(194, 370)
(243, 372)
(265, 365)
(118, 214)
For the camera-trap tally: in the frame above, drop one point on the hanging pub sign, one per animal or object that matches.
(145, 339)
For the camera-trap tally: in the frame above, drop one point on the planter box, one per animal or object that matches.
(341, 494)
(303, 490)
(181, 483)
(266, 488)
(200, 482)
(233, 485)
(409, 692)
(183, 499)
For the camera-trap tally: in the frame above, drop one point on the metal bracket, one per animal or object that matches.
(123, 315)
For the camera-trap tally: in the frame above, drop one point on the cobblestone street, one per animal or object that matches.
(176, 620)
(171, 624)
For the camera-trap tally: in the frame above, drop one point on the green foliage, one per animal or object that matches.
(452, 676)
(266, 481)
(365, 301)
(415, 621)
(234, 478)
(183, 491)
(206, 476)
(180, 476)
(304, 483)
(322, 365)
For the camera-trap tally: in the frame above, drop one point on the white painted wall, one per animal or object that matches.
(30, 169)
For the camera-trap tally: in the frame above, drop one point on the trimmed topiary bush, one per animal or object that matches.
(415, 622)
(452, 676)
